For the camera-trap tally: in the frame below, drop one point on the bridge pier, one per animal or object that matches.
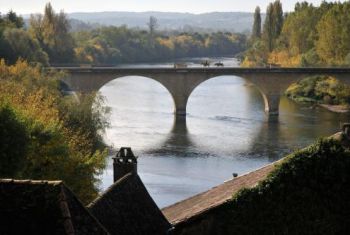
(272, 102)
(180, 102)
(180, 99)
(180, 112)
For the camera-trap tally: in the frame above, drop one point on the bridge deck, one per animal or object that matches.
(203, 70)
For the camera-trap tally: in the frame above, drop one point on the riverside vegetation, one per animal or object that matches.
(48, 40)
(308, 37)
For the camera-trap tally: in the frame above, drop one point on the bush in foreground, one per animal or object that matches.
(308, 193)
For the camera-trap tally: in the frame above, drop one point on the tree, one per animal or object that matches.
(8, 21)
(268, 28)
(299, 28)
(334, 34)
(273, 24)
(256, 33)
(13, 144)
(277, 16)
(52, 31)
(12, 17)
(152, 25)
(22, 45)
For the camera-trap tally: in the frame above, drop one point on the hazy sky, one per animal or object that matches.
(193, 6)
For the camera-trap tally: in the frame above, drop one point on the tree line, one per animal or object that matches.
(308, 36)
(48, 40)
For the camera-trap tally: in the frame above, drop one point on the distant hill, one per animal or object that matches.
(215, 21)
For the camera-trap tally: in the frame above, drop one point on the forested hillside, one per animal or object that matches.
(239, 22)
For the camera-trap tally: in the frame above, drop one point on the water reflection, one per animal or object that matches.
(177, 142)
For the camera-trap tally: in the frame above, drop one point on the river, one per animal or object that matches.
(226, 131)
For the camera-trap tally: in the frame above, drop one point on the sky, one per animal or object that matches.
(192, 6)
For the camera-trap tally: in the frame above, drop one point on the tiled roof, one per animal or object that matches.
(203, 202)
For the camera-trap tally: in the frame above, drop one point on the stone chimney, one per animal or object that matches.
(123, 163)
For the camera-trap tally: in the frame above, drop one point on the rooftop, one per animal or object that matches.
(198, 204)
(43, 207)
(127, 208)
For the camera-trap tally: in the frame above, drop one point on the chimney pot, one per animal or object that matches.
(123, 163)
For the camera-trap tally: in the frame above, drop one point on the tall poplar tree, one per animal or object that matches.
(268, 28)
(273, 24)
(277, 18)
(257, 24)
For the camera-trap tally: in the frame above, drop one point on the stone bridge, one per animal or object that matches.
(180, 82)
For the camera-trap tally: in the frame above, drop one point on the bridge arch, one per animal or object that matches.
(270, 98)
(142, 77)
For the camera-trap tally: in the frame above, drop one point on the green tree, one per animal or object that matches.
(256, 33)
(300, 28)
(334, 34)
(12, 18)
(268, 28)
(277, 19)
(8, 21)
(273, 24)
(14, 142)
(22, 45)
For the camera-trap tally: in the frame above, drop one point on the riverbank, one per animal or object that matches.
(336, 108)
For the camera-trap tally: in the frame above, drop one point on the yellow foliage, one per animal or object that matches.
(166, 42)
(292, 88)
(248, 63)
(284, 59)
(98, 47)
(59, 147)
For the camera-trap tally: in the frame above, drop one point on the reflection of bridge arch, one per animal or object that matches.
(181, 82)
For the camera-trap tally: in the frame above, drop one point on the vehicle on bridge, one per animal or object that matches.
(180, 65)
(206, 63)
(270, 65)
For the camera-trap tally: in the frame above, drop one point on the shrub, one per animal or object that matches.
(308, 193)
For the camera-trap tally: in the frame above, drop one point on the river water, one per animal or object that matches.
(226, 131)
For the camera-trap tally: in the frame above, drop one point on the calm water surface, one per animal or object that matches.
(226, 131)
